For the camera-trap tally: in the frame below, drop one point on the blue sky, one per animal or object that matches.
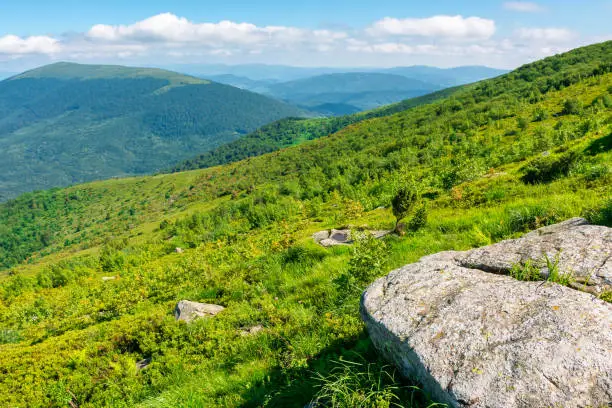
(316, 32)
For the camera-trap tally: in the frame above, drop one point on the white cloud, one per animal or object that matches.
(553, 35)
(17, 46)
(170, 29)
(453, 27)
(523, 6)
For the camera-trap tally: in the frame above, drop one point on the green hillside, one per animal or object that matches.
(292, 131)
(491, 161)
(68, 123)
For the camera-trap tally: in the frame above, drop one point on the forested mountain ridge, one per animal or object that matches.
(68, 123)
(491, 161)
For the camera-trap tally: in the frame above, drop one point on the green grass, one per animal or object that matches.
(532, 270)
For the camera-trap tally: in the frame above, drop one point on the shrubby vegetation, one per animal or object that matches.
(68, 336)
(292, 131)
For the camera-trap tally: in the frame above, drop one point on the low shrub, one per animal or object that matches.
(548, 168)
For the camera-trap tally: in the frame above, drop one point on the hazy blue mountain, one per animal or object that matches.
(282, 73)
(258, 72)
(447, 76)
(67, 123)
(260, 86)
(340, 91)
(349, 92)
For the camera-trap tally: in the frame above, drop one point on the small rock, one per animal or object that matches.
(108, 278)
(320, 236)
(381, 233)
(188, 311)
(326, 243)
(341, 236)
(179, 250)
(249, 331)
(142, 364)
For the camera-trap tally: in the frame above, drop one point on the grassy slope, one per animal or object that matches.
(245, 228)
(293, 131)
(69, 123)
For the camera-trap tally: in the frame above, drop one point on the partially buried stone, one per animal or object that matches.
(188, 311)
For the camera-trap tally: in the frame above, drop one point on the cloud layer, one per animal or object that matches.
(523, 6)
(15, 46)
(438, 40)
(450, 27)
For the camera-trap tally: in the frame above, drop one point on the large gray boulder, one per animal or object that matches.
(583, 250)
(188, 311)
(479, 339)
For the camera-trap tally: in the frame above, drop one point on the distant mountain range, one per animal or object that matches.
(282, 73)
(68, 123)
(350, 92)
(336, 91)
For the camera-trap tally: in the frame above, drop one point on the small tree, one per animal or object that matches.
(540, 114)
(572, 107)
(402, 203)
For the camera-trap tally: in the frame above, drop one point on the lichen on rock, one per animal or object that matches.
(474, 338)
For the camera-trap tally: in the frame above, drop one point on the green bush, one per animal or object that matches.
(540, 114)
(572, 107)
(602, 215)
(369, 257)
(419, 219)
(549, 168)
(8, 336)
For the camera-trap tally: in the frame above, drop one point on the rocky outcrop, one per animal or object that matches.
(474, 338)
(582, 250)
(336, 237)
(188, 311)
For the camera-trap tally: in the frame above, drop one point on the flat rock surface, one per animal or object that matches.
(188, 311)
(480, 339)
(583, 250)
